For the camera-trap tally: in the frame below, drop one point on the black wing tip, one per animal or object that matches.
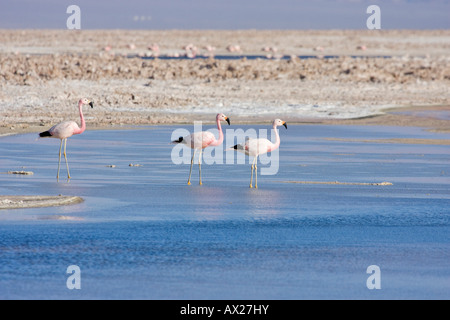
(180, 139)
(45, 134)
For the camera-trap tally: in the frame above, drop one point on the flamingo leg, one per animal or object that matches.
(59, 162)
(65, 157)
(251, 177)
(190, 171)
(200, 167)
(256, 172)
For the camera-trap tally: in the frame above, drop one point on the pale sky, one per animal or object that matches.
(224, 14)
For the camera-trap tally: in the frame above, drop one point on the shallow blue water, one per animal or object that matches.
(143, 233)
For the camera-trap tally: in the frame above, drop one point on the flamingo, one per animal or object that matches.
(256, 147)
(65, 130)
(201, 140)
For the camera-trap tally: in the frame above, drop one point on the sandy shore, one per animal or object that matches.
(43, 73)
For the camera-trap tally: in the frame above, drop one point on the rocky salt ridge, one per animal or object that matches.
(41, 81)
(29, 70)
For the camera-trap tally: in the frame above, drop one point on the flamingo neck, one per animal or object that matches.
(218, 142)
(83, 123)
(277, 139)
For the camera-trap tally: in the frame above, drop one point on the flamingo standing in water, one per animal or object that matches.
(256, 147)
(65, 130)
(201, 140)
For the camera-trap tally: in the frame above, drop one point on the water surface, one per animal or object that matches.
(143, 233)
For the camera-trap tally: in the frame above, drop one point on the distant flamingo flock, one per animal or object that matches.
(191, 51)
(197, 141)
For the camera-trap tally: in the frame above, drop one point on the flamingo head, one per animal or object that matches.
(87, 101)
(222, 117)
(278, 122)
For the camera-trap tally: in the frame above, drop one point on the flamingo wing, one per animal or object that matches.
(207, 138)
(64, 129)
(254, 147)
(199, 140)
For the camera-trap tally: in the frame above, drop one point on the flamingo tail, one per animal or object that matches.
(45, 134)
(236, 147)
(180, 139)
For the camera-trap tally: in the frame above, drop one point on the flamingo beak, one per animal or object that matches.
(228, 120)
(91, 104)
(284, 124)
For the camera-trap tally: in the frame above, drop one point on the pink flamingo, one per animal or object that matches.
(256, 147)
(65, 130)
(201, 140)
(190, 51)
